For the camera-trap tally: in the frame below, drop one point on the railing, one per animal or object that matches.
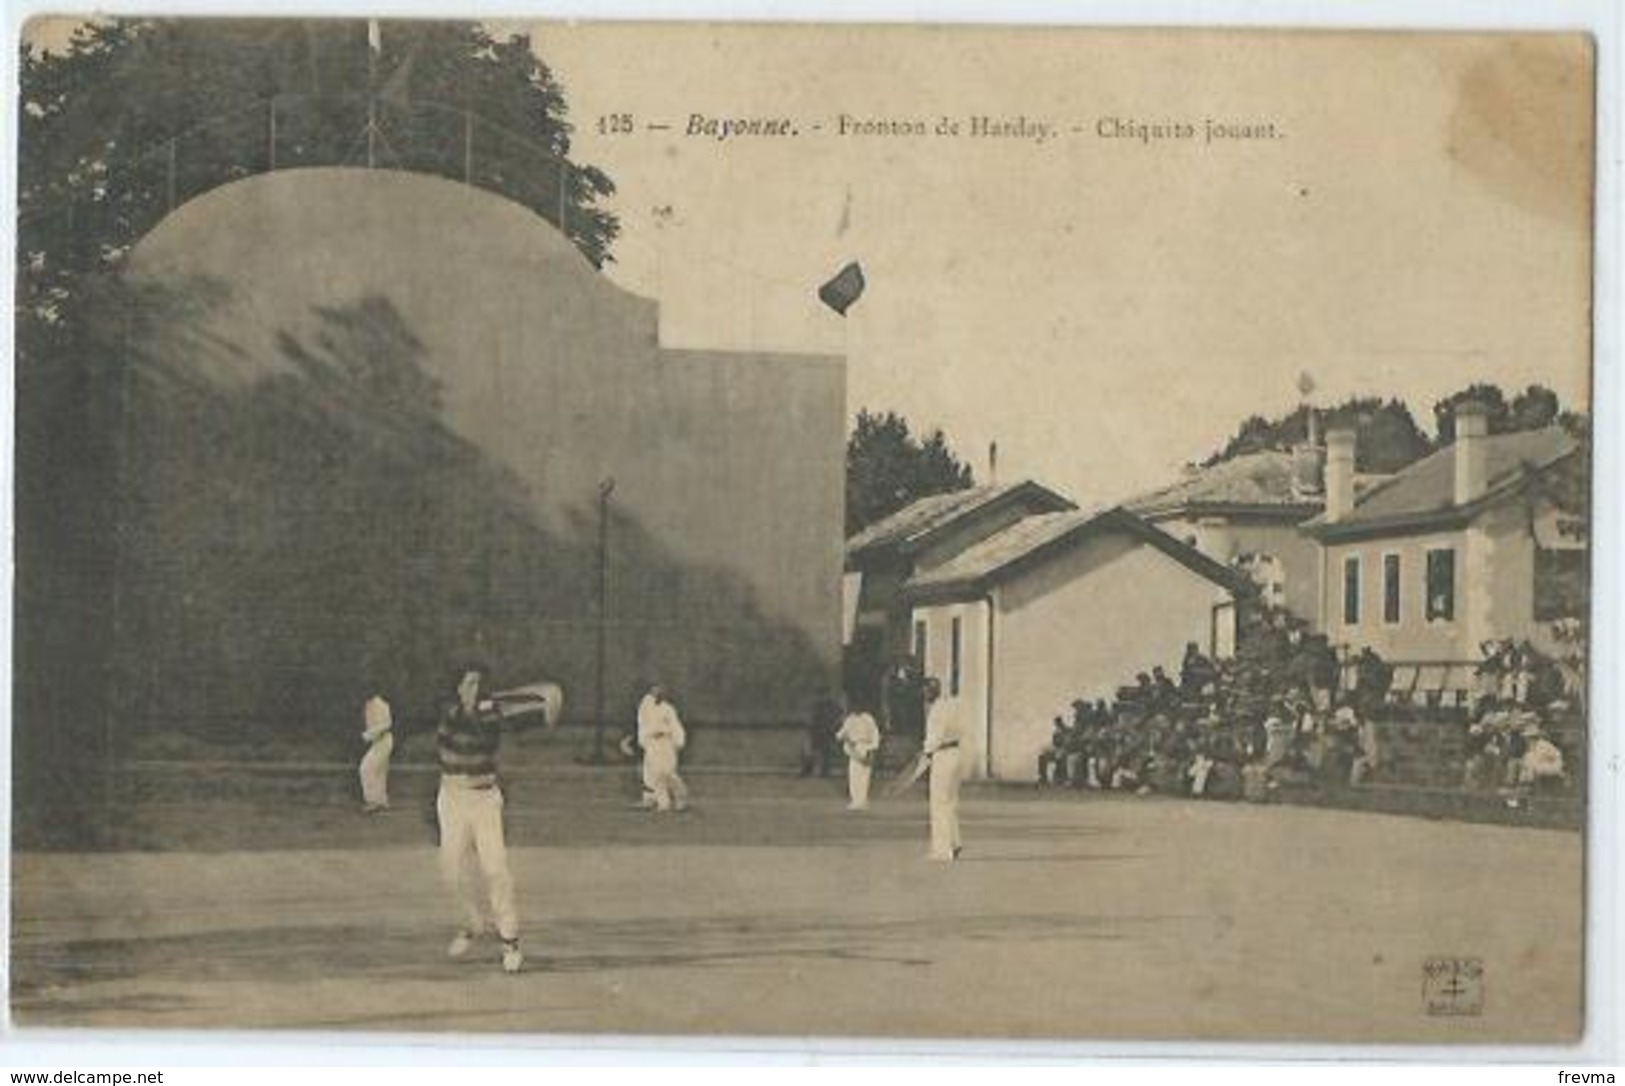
(1422, 683)
(287, 131)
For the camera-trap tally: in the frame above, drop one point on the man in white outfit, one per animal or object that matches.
(377, 732)
(859, 737)
(661, 735)
(942, 745)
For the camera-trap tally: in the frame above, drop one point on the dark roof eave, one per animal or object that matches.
(909, 545)
(963, 591)
(1448, 519)
(1293, 511)
(975, 587)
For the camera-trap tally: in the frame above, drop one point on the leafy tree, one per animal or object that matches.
(1534, 408)
(887, 468)
(138, 115)
(1387, 439)
(1489, 396)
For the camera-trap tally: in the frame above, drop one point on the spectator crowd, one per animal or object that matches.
(1286, 712)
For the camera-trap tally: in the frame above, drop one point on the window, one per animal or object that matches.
(953, 659)
(1441, 585)
(1351, 590)
(919, 642)
(1390, 588)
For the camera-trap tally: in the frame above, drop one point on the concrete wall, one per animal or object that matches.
(365, 420)
(1081, 625)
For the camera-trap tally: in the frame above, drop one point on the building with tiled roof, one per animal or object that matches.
(1462, 547)
(1059, 606)
(923, 534)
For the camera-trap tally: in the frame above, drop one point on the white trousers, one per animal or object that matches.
(944, 803)
(472, 850)
(857, 783)
(375, 772)
(661, 784)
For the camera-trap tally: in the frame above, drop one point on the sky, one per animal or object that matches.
(1106, 309)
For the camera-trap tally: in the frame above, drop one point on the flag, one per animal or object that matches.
(843, 290)
(374, 38)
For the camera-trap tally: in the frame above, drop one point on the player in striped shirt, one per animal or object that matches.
(472, 845)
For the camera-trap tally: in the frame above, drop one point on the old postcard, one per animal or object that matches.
(802, 530)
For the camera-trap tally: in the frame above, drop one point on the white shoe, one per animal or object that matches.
(459, 945)
(512, 959)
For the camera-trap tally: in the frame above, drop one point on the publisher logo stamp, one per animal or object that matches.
(1453, 986)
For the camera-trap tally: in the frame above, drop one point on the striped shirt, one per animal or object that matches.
(468, 744)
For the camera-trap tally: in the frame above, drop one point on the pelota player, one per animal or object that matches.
(472, 845)
(859, 737)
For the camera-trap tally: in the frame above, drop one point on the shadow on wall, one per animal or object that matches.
(287, 535)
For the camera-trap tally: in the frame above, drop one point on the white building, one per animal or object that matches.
(1056, 607)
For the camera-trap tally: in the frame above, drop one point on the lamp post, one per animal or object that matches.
(605, 488)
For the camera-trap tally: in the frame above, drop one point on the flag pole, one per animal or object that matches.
(374, 42)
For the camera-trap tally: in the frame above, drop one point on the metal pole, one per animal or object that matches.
(605, 489)
(564, 168)
(169, 178)
(270, 141)
(468, 147)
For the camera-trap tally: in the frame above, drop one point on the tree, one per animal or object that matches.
(887, 468)
(1535, 408)
(1387, 436)
(138, 115)
(1488, 396)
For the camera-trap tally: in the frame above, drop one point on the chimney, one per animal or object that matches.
(1339, 474)
(1472, 426)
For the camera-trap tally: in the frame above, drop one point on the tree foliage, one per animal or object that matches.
(1387, 436)
(1534, 408)
(138, 115)
(887, 468)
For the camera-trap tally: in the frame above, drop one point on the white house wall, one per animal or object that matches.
(1413, 637)
(1081, 626)
(969, 704)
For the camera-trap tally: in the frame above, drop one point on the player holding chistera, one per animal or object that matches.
(661, 735)
(942, 740)
(472, 844)
(859, 737)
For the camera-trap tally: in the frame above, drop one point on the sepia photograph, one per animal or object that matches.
(782, 531)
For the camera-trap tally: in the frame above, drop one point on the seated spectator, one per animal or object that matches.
(1278, 736)
(1052, 768)
(1197, 674)
(1164, 694)
(1369, 759)
(1141, 693)
(1542, 762)
(1373, 677)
